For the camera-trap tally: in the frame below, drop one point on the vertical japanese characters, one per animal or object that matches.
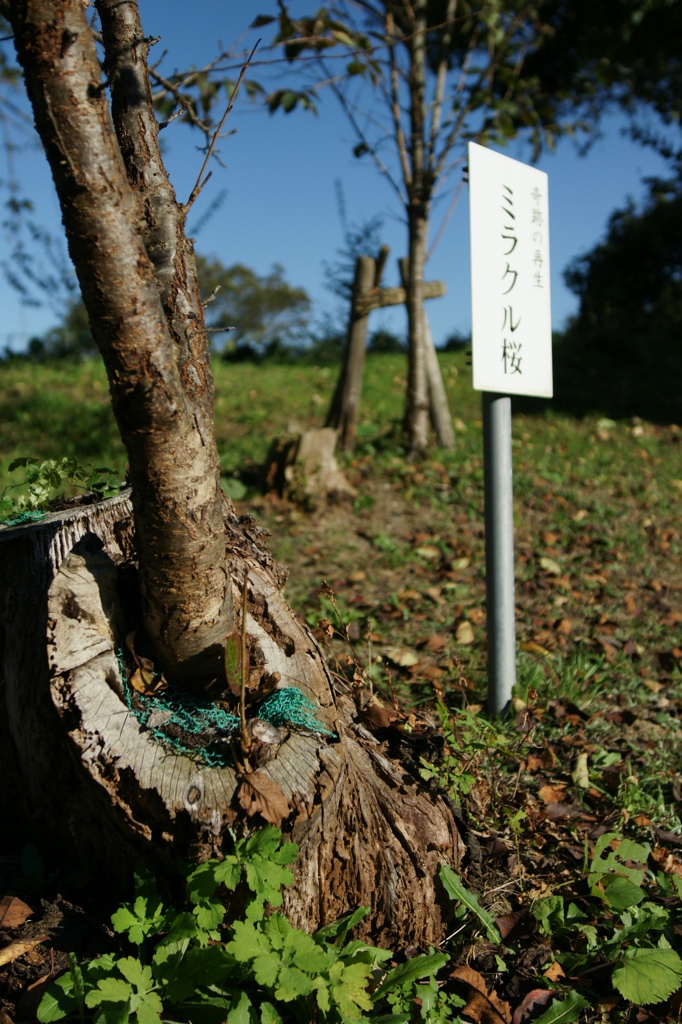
(511, 344)
(510, 284)
(513, 263)
(538, 225)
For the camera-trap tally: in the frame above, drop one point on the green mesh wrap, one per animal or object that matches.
(29, 516)
(207, 728)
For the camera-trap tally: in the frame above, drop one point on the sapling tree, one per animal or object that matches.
(90, 756)
(416, 81)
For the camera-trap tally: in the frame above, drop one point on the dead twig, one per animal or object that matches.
(246, 740)
(199, 184)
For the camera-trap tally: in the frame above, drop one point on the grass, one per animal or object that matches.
(592, 746)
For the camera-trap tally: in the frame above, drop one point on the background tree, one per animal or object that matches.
(254, 312)
(621, 352)
(439, 73)
(599, 56)
(260, 311)
(71, 338)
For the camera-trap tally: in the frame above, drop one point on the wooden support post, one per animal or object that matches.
(343, 412)
(368, 295)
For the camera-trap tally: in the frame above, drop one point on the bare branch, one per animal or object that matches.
(395, 103)
(199, 184)
(182, 101)
(441, 78)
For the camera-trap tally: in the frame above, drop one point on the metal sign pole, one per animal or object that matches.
(512, 355)
(499, 550)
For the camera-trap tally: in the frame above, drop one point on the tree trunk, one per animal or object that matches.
(417, 404)
(109, 792)
(126, 239)
(303, 469)
(439, 409)
(345, 405)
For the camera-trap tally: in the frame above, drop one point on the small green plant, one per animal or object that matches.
(470, 741)
(43, 481)
(192, 965)
(468, 902)
(629, 932)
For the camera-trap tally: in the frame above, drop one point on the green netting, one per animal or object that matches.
(190, 725)
(28, 516)
(291, 707)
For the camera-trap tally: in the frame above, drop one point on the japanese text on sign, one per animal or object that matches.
(511, 318)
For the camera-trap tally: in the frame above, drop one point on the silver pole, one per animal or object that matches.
(499, 550)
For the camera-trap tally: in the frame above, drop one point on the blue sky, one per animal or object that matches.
(280, 199)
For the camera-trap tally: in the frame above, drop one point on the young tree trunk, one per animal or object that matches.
(417, 403)
(107, 792)
(439, 410)
(417, 399)
(144, 312)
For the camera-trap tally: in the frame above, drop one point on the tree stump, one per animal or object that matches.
(304, 469)
(98, 784)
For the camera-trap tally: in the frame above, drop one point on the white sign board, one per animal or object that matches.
(511, 316)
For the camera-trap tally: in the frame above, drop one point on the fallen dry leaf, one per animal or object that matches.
(548, 757)
(581, 772)
(428, 552)
(554, 972)
(535, 999)
(667, 862)
(483, 1006)
(563, 810)
(144, 679)
(460, 563)
(403, 657)
(464, 632)
(13, 912)
(377, 715)
(507, 922)
(434, 642)
(259, 794)
(552, 794)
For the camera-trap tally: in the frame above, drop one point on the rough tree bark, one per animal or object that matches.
(76, 760)
(159, 378)
(417, 399)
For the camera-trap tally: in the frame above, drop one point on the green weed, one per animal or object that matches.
(51, 478)
(191, 964)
